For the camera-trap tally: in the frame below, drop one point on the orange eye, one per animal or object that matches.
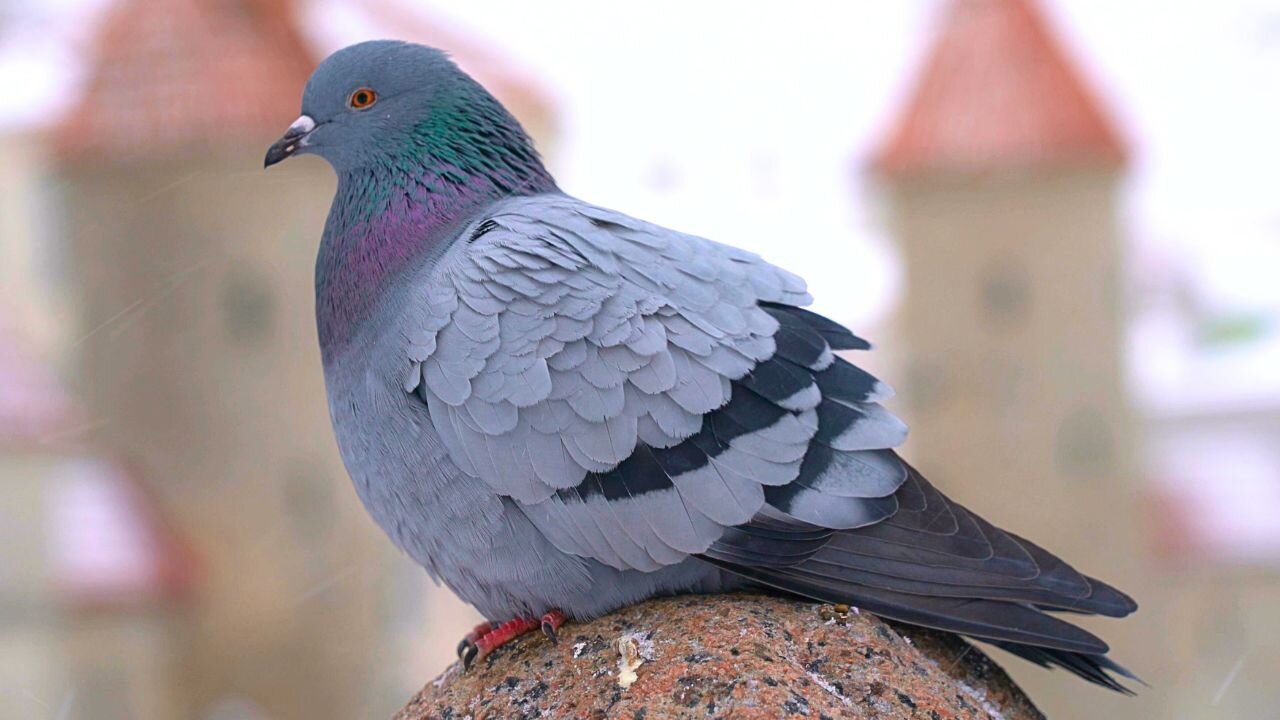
(362, 98)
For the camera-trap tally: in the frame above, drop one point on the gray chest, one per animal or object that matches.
(399, 467)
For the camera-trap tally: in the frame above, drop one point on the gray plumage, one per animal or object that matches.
(551, 405)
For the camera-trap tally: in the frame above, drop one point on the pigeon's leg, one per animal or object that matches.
(486, 638)
(469, 640)
(496, 638)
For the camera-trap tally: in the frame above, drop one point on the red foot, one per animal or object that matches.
(469, 640)
(486, 638)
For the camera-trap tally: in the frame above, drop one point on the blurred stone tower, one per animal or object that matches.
(1001, 179)
(198, 355)
(198, 351)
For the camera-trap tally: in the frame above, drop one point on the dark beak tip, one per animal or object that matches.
(278, 152)
(293, 140)
(284, 148)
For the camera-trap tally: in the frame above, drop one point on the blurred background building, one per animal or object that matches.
(1056, 230)
(168, 223)
(1001, 177)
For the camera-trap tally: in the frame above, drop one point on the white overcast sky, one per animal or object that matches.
(745, 123)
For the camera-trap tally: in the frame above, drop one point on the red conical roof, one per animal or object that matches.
(997, 91)
(168, 74)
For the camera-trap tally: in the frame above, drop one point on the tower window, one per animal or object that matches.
(1005, 295)
(248, 306)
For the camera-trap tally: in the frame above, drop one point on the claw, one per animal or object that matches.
(551, 622)
(468, 655)
(469, 640)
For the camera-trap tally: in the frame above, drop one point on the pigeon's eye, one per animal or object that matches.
(362, 98)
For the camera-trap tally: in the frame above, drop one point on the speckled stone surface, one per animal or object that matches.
(734, 656)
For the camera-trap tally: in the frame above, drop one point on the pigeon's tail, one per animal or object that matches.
(1092, 665)
(1096, 669)
(935, 564)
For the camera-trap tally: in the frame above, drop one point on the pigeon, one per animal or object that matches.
(559, 410)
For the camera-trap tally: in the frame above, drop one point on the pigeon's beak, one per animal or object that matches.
(289, 143)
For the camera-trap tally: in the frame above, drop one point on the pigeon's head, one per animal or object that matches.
(389, 103)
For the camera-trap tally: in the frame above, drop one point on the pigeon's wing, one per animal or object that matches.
(636, 390)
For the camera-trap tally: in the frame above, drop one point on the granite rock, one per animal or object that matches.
(730, 656)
